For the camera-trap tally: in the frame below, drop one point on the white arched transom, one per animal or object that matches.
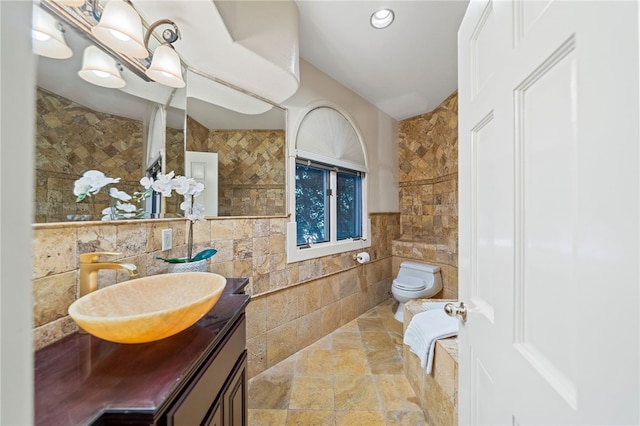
(325, 135)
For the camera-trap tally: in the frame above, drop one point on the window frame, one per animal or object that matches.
(297, 253)
(331, 201)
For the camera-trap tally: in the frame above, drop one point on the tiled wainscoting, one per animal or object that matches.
(308, 299)
(283, 322)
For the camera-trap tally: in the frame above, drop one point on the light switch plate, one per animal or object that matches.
(167, 239)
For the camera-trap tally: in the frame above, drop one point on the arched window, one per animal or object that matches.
(330, 210)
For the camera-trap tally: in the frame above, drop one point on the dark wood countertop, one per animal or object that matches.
(81, 377)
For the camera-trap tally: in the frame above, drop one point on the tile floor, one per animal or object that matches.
(354, 376)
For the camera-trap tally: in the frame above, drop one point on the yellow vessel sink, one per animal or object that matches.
(149, 308)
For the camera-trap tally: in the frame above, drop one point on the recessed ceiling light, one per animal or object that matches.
(382, 18)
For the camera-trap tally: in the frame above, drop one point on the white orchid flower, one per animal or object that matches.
(187, 186)
(196, 189)
(146, 182)
(81, 187)
(185, 206)
(107, 214)
(166, 178)
(181, 184)
(163, 184)
(162, 187)
(120, 195)
(93, 180)
(194, 211)
(126, 207)
(198, 210)
(90, 183)
(97, 180)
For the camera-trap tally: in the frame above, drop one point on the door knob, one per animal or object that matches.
(452, 310)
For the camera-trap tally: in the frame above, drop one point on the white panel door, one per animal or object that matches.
(203, 167)
(549, 213)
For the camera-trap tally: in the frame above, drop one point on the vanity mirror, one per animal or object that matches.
(82, 126)
(125, 131)
(247, 138)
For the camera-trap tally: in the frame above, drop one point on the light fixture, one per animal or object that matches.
(100, 69)
(120, 28)
(47, 37)
(165, 67)
(382, 18)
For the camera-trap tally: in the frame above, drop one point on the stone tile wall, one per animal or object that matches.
(428, 150)
(292, 305)
(251, 168)
(174, 147)
(332, 292)
(62, 155)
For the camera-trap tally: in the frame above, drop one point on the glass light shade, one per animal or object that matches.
(46, 37)
(382, 18)
(100, 69)
(120, 28)
(165, 67)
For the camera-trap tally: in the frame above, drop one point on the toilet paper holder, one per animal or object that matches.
(362, 257)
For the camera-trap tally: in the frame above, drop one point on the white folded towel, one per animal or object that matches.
(423, 331)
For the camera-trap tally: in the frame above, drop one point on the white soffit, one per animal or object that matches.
(208, 45)
(208, 90)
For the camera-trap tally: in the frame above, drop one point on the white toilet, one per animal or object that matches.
(415, 281)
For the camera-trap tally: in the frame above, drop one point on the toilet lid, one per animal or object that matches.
(409, 283)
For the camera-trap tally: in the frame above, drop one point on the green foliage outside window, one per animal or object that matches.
(349, 206)
(311, 206)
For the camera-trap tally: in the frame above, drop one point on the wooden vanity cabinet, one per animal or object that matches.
(230, 408)
(196, 377)
(217, 395)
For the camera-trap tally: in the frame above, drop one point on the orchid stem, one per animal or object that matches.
(190, 244)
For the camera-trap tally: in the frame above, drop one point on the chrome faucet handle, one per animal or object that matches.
(93, 257)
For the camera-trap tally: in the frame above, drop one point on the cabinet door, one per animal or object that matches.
(235, 395)
(215, 418)
(194, 407)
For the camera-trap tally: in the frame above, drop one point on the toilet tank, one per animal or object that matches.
(416, 269)
(429, 274)
(420, 277)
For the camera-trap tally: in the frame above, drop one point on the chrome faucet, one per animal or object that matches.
(89, 267)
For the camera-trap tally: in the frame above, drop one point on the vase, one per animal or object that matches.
(197, 266)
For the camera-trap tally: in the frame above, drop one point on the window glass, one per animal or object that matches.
(349, 224)
(312, 207)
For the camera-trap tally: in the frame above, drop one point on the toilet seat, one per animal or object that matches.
(409, 283)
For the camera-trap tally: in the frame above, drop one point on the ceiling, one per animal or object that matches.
(405, 70)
